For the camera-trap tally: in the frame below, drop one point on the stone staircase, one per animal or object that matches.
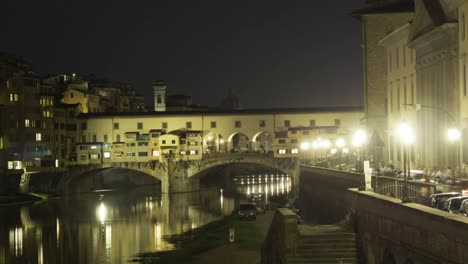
(324, 244)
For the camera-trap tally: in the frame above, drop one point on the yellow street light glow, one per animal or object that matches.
(221, 141)
(305, 145)
(333, 151)
(315, 145)
(406, 133)
(340, 143)
(453, 134)
(359, 138)
(210, 138)
(326, 144)
(345, 150)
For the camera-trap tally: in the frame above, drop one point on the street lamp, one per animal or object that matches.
(406, 135)
(454, 135)
(358, 140)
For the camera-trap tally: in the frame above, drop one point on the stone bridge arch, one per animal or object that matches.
(103, 172)
(184, 175)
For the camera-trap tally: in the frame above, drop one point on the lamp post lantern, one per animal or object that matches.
(407, 138)
(454, 135)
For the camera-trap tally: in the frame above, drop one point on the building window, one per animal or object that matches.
(294, 151)
(213, 124)
(173, 141)
(390, 61)
(139, 125)
(1, 143)
(142, 154)
(27, 123)
(164, 125)
(107, 155)
(188, 124)
(155, 153)
(405, 102)
(116, 125)
(398, 95)
(262, 123)
(464, 80)
(282, 141)
(397, 58)
(462, 26)
(412, 89)
(14, 97)
(287, 123)
(83, 138)
(237, 124)
(83, 157)
(404, 55)
(94, 138)
(84, 126)
(163, 141)
(390, 90)
(105, 138)
(337, 122)
(118, 138)
(159, 99)
(312, 123)
(294, 140)
(38, 137)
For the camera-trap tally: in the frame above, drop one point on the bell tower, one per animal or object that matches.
(159, 89)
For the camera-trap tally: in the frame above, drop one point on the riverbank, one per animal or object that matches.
(210, 243)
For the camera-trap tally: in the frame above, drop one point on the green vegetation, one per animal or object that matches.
(208, 237)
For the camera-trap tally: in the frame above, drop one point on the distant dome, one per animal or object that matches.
(230, 102)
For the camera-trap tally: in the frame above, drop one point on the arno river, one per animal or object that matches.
(112, 227)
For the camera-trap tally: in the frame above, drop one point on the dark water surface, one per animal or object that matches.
(112, 227)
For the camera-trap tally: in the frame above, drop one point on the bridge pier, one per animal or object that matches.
(177, 180)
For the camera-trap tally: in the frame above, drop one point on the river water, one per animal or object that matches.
(113, 227)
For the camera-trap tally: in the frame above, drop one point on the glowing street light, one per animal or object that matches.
(359, 137)
(406, 135)
(305, 145)
(453, 134)
(340, 143)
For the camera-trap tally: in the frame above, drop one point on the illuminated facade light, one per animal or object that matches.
(305, 145)
(340, 143)
(107, 154)
(155, 153)
(453, 134)
(359, 138)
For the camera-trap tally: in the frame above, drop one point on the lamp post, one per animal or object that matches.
(406, 135)
(359, 137)
(453, 135)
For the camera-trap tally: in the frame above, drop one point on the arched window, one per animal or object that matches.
(159, 100)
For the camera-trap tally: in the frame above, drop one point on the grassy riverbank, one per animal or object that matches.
(197, 245)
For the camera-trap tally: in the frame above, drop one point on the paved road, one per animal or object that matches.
(231, 254)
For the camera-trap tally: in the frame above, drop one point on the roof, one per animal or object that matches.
(276, 111)
(384, 7)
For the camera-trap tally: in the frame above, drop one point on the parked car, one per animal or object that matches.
(247, 211)
(464, 208)
(438, 199)
(452, 205)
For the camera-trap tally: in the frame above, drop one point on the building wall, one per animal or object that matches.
(401, 93)
(374, 28)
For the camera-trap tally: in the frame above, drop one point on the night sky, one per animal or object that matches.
(271, 53)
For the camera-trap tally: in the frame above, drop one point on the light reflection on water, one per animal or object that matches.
(114, 227)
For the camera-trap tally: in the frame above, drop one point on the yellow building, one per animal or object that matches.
(401, 92)
(189, 135)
